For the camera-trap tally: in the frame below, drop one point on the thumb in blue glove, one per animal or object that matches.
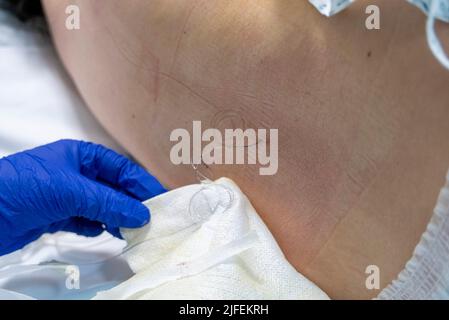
(70, 186)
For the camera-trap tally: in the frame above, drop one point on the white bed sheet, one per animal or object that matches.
(38, 104)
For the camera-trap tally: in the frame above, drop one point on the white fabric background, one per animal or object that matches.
(38, 104)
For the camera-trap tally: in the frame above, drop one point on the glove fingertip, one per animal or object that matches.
(115, 232)
(136, 216)
(141, 184)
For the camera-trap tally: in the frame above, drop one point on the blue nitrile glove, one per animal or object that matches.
(70, 186)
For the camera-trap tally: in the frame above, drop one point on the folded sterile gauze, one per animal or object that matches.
(206, 241)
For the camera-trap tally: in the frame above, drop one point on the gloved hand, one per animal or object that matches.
(70, 186)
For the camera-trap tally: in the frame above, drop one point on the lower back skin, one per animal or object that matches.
(362, 115)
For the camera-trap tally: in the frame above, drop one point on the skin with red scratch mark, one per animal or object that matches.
(183, 32)
(156, 78)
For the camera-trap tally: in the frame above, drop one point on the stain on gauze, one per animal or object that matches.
(206, 241)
